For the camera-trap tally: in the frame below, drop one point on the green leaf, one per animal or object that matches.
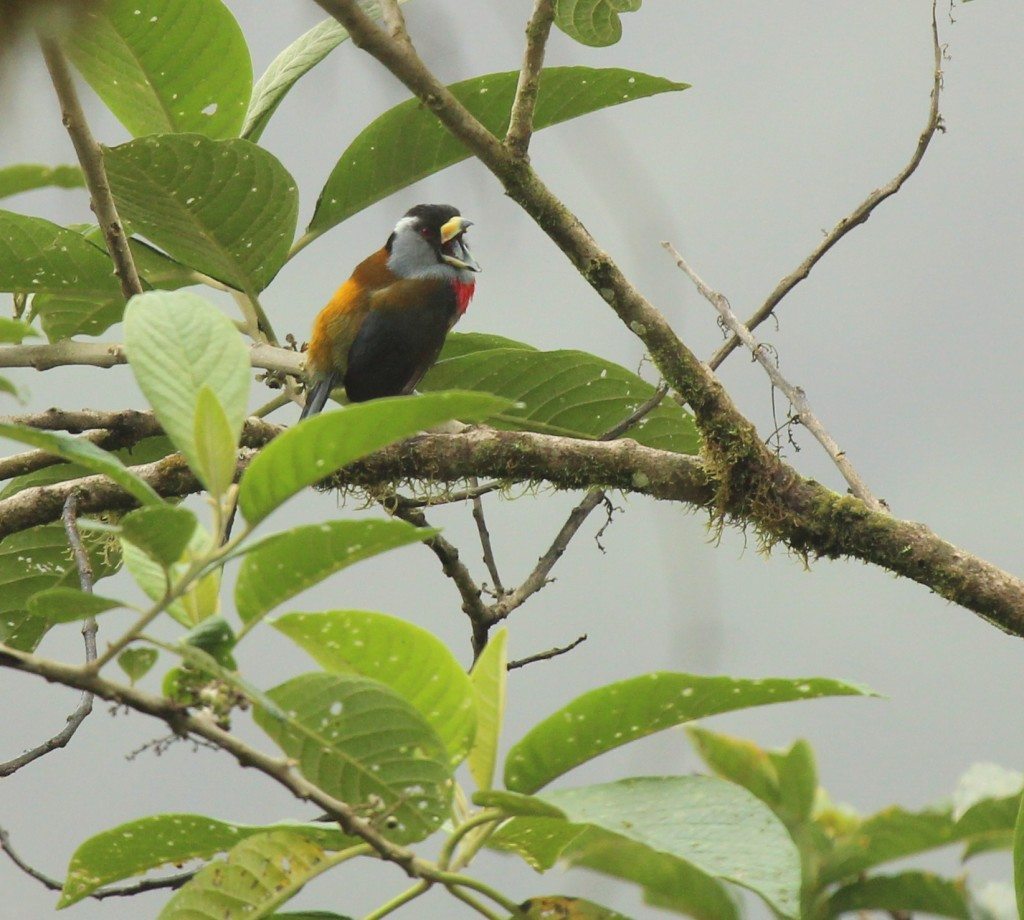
(166, 65)
(568, 393)
(550, 907)
(177, 344)
(408, 143)
(618, 713)
(466, 343)
(171, 839)
(489, 678)
(362, 743)
(35, 560)
(14, 331)
(666, 881)
(226, 208)
(260, 873)
(318, 446)
(904, 892)
(65, 605)
(6, 386)
(716, 826)
(411, 661)
(515, 803)
(282, 565)
(25, 177)
(216, 443)
(136, 662)
(85, 454)
(37, 256)
(885, 836)
(162, 531)
(300, 57)
(215, 637)
(798, 783)
(739, 761)
(593, 22)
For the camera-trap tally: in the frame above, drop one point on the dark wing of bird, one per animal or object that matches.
(397, 343)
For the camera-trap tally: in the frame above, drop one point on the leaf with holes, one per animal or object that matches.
(166, 65)
(25, 177)
(282, 565)
(593, 22)
(319, 445)
(411, 661)
(408, 143)
(37, 256)
(177, 344)
(489, 678)
(614, 715)
(362, 743)
(568, 393)
(134, 848)
(226, 208)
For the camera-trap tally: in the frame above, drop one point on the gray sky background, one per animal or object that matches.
(907, 339)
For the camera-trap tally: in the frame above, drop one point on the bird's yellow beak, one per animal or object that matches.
(454, 250)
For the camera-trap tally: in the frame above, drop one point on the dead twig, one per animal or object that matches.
(545, 656)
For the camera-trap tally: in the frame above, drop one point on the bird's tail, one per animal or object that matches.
(316, 396)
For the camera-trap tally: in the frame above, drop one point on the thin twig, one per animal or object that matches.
(90, 156)
(856, 217)
(485, 540)
(153, 884)
(794, 394)
(449, 498)
(637, 415)
(84, 708)
(545, 656)
(452, 566)
(539, 576)
(520, 127)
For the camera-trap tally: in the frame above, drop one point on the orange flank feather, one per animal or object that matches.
(338, 322)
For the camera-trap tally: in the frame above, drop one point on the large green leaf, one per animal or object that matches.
(177, 344)
(618, 713)
(226, 208)
(489, 678)
(37, 256)
(902, 893)
(319, 445)
(593, 22)
(361, 742)
(25, 177)
(84, 454)
(35, 560)
(568, 393)
(159, 840)
(411, 661)
(300, 57)
(166, 65)
(65, 605)
(282, 565)
(408, 142)
(162, 532)
(259, 875)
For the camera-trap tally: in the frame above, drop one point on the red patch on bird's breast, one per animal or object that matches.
(463, 294)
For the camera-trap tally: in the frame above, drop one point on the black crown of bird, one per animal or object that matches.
(384, 327)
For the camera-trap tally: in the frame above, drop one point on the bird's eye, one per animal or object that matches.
(424, 231)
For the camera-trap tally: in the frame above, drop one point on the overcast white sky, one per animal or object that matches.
(907, 339)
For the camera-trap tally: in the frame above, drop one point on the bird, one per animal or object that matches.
(384, 327)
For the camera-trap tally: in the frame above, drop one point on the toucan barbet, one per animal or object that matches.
(384, 327)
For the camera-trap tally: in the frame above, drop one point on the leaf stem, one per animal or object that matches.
(486, 816)
(411, 893)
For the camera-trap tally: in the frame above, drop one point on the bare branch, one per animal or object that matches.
(520, 128)
(545, 656)
(452, 566)
(856, 217)
(61, 739)
(794, 394)
(539, 576)
(90, 156)
(110, 354)
(485, 540)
